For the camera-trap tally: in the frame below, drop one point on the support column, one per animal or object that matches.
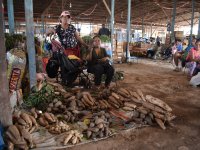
(112, 24)
(128, 30)
(5, 107)
(42, 19)
(192, 18)
(142, 26)
(199, 27)
(173, 22)
(11, 16)
(30, 40)
(151, 30)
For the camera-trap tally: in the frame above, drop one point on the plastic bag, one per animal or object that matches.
(16, 67)
(195, 80)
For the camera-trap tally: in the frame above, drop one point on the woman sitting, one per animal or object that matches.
(194, 58)
(99, 63)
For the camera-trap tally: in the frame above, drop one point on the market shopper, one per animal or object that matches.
(99, 64)
(177, 51)
(68, 35)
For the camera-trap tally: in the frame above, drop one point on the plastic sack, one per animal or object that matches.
(195, 80)
(16, 59)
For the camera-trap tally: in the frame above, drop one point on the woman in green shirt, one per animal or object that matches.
(99, 63)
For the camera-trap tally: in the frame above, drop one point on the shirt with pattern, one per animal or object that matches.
(67, 36)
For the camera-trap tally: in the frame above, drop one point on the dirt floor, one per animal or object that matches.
(159, 80)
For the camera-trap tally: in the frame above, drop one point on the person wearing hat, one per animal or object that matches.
(67, 34)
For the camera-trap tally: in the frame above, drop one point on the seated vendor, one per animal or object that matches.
(193, 58)
(99, 63)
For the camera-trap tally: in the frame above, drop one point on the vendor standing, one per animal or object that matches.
(67, 34)
(104, 31)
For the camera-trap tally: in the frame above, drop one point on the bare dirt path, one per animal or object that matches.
(159, 80)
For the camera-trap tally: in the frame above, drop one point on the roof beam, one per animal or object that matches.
(106, 5)
(46, 10)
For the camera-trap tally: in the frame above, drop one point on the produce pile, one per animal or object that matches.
(93, 110)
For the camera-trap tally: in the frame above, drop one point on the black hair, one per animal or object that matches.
(178, 40)
(96, 37)
(198, 40)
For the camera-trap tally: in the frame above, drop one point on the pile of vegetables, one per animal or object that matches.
(40, 98)
(73, 136)
(87, 39)
(105, 39)
(46, 119)
(145, 109)
(19, 135)
(95, 109)
(98, 125)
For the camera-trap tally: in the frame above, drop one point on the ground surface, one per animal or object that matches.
(159, 80)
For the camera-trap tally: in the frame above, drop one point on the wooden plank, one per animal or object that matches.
(5, 107)
(107, 7)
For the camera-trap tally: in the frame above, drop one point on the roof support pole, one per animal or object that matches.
(43, 31)
(199, 27)
(128, 30)
(173, 22)
(5, 107)
(30, 40)
(151, 30)
(112, 24)
(192, 18)
(11, 16)
(143, 26)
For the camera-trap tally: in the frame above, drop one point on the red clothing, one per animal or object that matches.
(193, 52)
(72, 51)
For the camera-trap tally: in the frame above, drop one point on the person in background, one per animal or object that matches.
(99, 64)
(186, 51)
(157, 50)
(104, 31)
(193, 58)
(68, 35)
(177, 52)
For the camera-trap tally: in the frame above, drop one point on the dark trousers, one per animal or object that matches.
(99, 69)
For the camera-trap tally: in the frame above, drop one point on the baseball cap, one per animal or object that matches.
(65, 13)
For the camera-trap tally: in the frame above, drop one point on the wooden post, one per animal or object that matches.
(5, 107)
(30, 41)
(173, 22)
